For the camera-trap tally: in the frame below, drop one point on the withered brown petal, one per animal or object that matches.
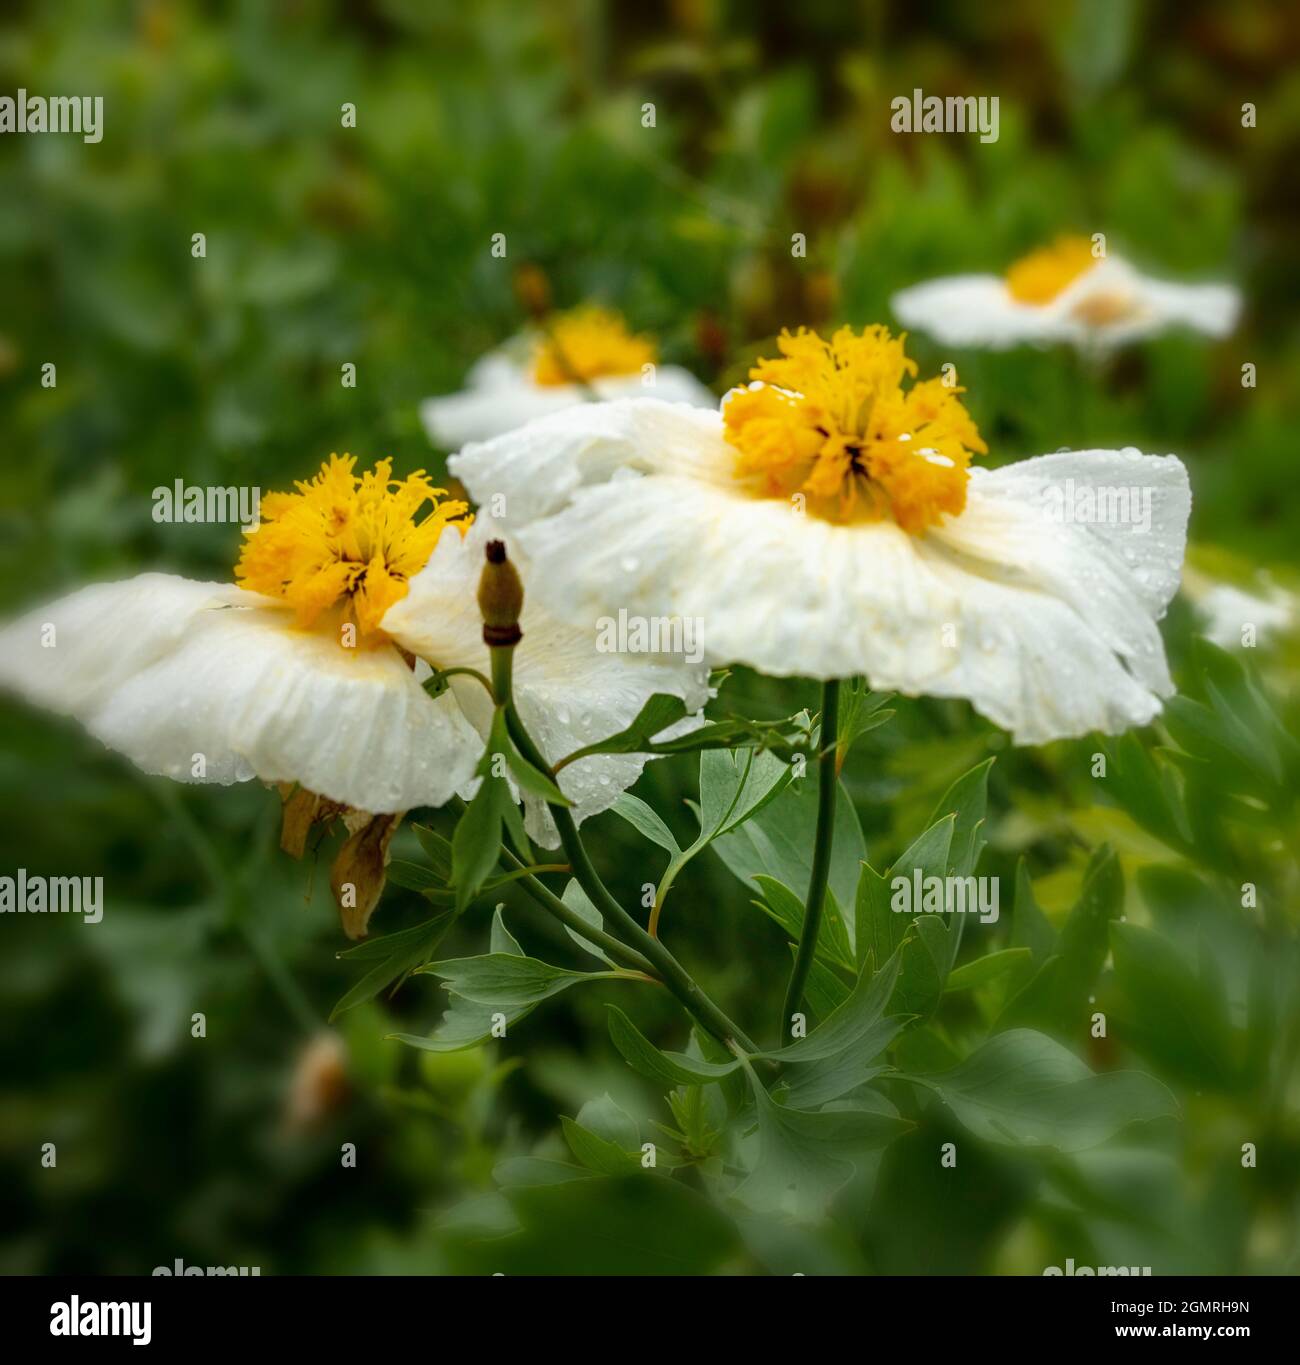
(358, 874)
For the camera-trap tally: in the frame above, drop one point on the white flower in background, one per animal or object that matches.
(309, 670)
(585, 352)
(1063, 292)
(826, 524)
(1227, 612)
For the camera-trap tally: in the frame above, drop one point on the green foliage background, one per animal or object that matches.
(370, 245)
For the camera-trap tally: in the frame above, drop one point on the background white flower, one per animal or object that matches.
(583, 354)
(1226, 610)
(1063, 293)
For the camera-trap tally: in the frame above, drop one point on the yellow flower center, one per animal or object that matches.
(830, 422)
(1043, 274)
(586, 344)
(345, 542)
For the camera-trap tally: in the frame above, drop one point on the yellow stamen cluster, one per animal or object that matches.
(347, 541)
(830, 421)
(586, 344)
(1043, 274)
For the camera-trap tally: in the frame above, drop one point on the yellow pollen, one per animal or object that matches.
(346, 541)
(830, 422)
(587, 344)
(1043, 274)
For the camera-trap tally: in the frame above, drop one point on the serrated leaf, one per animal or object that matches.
(641, 817)
(605, 1117)
(967, 802)
(578, 901)
(595, 1153)
(1174, 1015)
(393, 956)
(437, 850)
(659, 712)
(505, 984)
(853, 1026)
(778, 842)
(880, 928)
(533, 780)
(1030, 928)
(1023, 1088)
(787, 909)
(805, 1157)
(507, 981)
(413, 876)
(502, 940)
(476, 844)
(990, 967)
(668, 1068)
(860, 711)
(735, 786)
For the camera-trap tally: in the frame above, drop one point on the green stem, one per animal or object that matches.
(550, 902)
(466, 673)
(663, 964)
(675, 977)
(827, 782)
(503, 671)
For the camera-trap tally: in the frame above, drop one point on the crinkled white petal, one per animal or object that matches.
(500, 395)
(538, 468)
(569, 692)
(1026, 605)
(164, 670)
(979, 310)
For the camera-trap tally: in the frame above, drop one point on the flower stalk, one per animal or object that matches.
(501, 599)
(827, 783)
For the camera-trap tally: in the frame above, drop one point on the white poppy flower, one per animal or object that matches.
(586, 352)
(316, 678)
(1063, 293)
(825, 524)
(1229, 613)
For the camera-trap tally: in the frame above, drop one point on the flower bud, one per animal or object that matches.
(500, 597)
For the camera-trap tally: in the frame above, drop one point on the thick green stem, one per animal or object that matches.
(503, 668)
(674, 976)
(827, 782)
(678, 980)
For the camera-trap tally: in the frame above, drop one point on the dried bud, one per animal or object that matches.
(500, 597)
